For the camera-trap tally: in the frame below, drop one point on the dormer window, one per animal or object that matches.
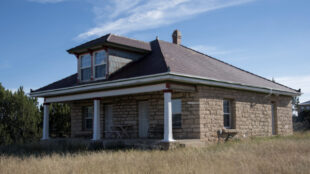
(85, 67)
(100, 64)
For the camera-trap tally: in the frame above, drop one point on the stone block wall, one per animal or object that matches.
(202, 113)
(125, 111)
(251, 113)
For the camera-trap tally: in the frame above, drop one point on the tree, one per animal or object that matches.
(60, 120)
(20, 118)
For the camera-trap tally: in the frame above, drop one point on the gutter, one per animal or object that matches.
(168, 76)
(213, 82)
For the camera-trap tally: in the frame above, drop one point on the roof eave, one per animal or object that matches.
(169, 76)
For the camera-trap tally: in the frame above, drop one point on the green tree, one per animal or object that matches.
(20, 118)
(60, 120)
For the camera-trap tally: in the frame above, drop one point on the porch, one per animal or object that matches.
(132, 115)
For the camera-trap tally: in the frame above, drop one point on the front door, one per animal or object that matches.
(108, 120)
(143, 118)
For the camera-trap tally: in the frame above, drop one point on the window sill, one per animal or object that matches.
(99, 78)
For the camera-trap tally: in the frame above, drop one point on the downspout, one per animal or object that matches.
(270, 93)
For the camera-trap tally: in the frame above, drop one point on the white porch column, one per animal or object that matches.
(168, 137)
(45, 135)
(96, 127)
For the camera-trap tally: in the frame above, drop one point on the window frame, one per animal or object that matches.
(82, 68)
(95, 65)
(173, 114)
(228, 113)
(87, 118)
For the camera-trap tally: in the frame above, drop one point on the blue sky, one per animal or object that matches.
(267, 37)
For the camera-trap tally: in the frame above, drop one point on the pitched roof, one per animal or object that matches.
(112, 39)
(152, 63)
(169, 57)
(305, 103)
(181, 59)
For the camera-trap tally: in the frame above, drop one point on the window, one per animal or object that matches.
(88, 114)
(227, 113)
(100, 64)
(85, 67)
(308, 107)
(176, 113)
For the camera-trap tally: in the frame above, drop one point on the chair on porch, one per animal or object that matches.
(114, 132)
(119, 131)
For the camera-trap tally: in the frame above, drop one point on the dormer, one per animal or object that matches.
(99, 58)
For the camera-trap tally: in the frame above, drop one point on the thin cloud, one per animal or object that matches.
(211, 50)
(297, 82)
(125, 16)
(46, 1)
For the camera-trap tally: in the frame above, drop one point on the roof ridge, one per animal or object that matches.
(128, 38)
(139, 60)
(106, 35)
(161, 52)
(235, 67)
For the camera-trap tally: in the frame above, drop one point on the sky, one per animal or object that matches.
(270, 38)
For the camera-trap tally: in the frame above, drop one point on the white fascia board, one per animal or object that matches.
(162, 77)
(108, 93)
(101, 85)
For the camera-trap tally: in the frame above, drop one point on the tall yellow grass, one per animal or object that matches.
(260, 155)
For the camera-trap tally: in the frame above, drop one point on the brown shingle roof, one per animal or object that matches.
(181, 59)
(169, 57)
(113, 39)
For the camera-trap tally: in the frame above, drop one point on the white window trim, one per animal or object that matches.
(80, 67)
(94, 65)
(229, 113)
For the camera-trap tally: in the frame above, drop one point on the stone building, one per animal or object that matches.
(305, 106)
(129, 89)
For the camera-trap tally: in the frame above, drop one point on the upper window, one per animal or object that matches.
(88, 114)
(85, 67)
(227, 113)
(176, 113)
(100, 65)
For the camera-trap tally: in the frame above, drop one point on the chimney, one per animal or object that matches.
(176, 37)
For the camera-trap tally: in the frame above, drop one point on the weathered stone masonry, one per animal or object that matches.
(202, 113)
(251, 112)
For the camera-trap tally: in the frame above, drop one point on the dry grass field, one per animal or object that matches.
(257, 155)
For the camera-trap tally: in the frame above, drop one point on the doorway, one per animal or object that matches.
(143, 119)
